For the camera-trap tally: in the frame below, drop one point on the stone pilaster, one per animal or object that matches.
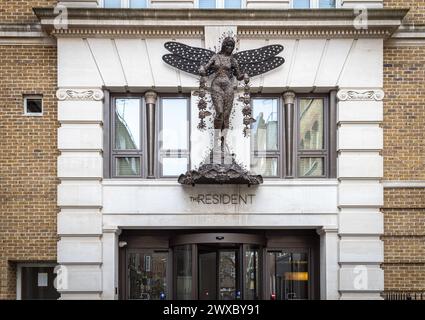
(360, 168)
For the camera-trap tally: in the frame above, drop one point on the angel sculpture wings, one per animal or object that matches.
(223, 66)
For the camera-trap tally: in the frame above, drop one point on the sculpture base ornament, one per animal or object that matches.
(221, 168)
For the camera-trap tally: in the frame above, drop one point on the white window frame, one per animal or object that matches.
(31, 97)
(314, 4)
(220, 4)
(125, 4)
(19, 274)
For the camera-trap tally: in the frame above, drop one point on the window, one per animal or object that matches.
(128, 137)
(265, 137)
(174, 136)
(35, 281)
(307, 155)
(127, 149)
(33, 105)
(147, 274)
(135, 4)
(228, 4)
(305, 4)
(311, 146)
(289, 275)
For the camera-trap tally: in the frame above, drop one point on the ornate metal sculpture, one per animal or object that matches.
(224, 66)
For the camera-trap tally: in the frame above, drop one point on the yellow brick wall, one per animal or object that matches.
(28, 161)
(404, 159)
(20, 11)
(416, 14)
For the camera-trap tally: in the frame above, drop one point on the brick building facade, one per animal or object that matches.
(28, 163)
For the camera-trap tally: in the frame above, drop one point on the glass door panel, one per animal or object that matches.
(227, 283)
(288, 274)
(207, 275)
(183, 272)
(147, 274)
(251, 273)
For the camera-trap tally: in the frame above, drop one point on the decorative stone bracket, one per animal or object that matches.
(361, 95)
(80, 94)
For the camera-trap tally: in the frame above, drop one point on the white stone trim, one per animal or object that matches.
(404, 184)
(360, 95)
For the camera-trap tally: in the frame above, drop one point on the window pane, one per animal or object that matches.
(266, 167)
(137, 4)
(205, 4)
(37, 283)
(34, 105)
(310, 167)
(127, 124)
(128, 166)
(288, 275)
(232, 4)
(147, 275)
(252, 277)
(175, 126)
(226, 275)
(174, 166)
(112, 3)
(183, 267)
(301, 4)
(264, 134)
(311, 124)
(327, 4)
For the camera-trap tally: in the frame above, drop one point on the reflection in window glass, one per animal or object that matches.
(301, 4)
(232, 4)
(128, 166)
(267, 167)
(311, 124)
(112, 3)
(206, 4)
(288, 275)
(183, 265)
(172, 167)
(137, 4)
(175, 125)
(227, 275)
(264, 132)
(252, 277)
(327, 4)
(127, 124)
(310, 167)
(147, 275)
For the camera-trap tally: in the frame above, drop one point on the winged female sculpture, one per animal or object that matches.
(224, 66)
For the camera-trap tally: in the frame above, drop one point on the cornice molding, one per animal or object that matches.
(79, 94)
(250, 22)
(137, 32)
(360, 95)
(308, 33)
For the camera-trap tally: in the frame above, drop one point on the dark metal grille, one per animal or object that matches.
(403, 295)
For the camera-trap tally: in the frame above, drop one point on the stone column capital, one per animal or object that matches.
(112, 229)
(150, 97)
(289, 97)
(326, 230)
